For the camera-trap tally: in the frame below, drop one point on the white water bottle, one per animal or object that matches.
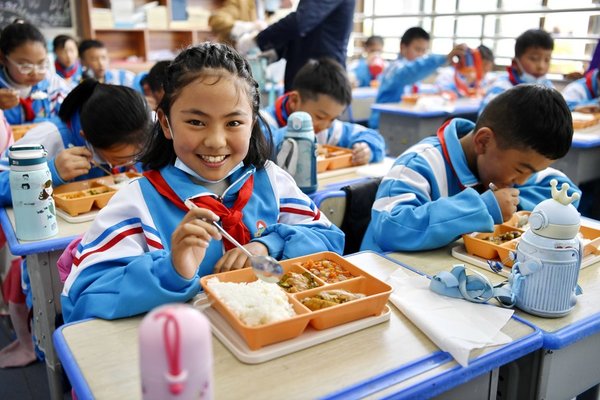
(299, 149)
(31, 191)
(176, 357)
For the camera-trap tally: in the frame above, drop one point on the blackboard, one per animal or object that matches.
(41, 13)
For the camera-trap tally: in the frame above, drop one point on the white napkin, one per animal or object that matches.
(454, 325)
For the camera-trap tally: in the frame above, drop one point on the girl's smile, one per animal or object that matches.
(210, 124)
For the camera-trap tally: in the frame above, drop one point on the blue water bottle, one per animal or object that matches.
(300, 131)
(31, 190)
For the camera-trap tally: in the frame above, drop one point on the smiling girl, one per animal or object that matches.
(146, 248)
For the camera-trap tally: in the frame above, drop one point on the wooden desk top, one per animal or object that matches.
(107, 356)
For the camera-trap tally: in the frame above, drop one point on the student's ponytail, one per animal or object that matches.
(76, 99)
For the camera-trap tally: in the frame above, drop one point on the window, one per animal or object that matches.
(575, 26)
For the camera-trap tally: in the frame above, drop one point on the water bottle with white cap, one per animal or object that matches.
(31, 191)
(298, 154)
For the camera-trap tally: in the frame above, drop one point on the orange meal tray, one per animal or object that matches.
(82, 196)
(358, 281)
(476, 243)
(333, 157)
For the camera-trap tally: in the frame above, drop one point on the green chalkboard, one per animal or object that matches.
(41, 13)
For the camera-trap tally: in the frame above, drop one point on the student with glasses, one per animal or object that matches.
(29, 91)
(99, 130)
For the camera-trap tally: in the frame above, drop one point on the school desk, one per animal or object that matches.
(390, 359)
(359, 111)
(45, 285)
(568, 363)
(403, 125)
(582, 162)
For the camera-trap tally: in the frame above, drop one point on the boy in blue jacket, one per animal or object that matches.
(369, 67)
(412, 65)
(322, 89)
(95, 61)
(438, 189)
(533, 54)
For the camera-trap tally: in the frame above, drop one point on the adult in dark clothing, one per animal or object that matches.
(318, 28)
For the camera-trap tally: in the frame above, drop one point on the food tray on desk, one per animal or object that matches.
(354, 280)
(83, 196)
(310, 337)
(478, 248)
(333, 157)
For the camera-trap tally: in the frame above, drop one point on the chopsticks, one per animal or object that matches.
(97, 164)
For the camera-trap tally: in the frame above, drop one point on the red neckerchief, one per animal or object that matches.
(65, 72)
(512, 76)
(231, 218)
(590, 83)
(440, 135)
(27, 105)
(281, 111)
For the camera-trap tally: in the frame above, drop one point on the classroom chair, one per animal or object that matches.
(350, 209)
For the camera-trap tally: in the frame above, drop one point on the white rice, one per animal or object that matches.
(254, 303)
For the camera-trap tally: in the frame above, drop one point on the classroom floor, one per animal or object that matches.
(28, 383)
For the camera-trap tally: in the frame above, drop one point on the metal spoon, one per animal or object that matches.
(264, 267)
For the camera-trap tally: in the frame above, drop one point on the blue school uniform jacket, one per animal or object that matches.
(342, 134)
(362, 73)
(399, 77)
(120, 77)
(505, 82)
(53, 88)
(72, 75)
(583, 91)
(55, 135)
(318, 28)
(424, 202)
(123, 264)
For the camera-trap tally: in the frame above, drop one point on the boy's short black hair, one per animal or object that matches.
(533, 38)
(87, 44)
(60, 40)
(375, 39)
(530, 117)
(414, 33)
(323, 76)
(486, 53)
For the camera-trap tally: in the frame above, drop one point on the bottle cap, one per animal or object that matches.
(300, 121)
(26, 154)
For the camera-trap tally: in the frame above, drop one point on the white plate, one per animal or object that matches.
(310, 337)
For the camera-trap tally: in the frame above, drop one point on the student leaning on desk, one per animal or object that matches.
(438, 190)
(322, 89)
(100, 127)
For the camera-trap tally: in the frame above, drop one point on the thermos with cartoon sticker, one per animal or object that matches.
(31, 191)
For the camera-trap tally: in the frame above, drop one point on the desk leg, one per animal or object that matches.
(46, 288)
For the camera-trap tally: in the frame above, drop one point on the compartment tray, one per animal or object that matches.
(310, 337)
